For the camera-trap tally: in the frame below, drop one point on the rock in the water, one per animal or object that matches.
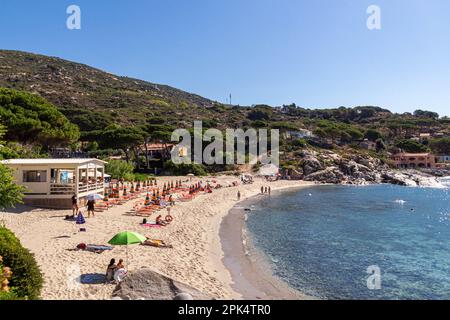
(150, 285)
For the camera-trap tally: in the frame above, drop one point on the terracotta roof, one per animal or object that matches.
(413, 154)
(157, 146)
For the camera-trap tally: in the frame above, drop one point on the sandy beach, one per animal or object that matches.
(195, 259)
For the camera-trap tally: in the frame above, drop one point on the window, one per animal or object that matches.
(34, 176)
(62, 176)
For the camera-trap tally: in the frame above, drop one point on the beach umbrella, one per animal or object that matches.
(80, 219)
(126, 238)
(147, 200)
(95, 197)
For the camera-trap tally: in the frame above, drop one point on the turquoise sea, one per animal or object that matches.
(322, 240)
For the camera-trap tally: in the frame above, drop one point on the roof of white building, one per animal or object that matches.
(50, 161)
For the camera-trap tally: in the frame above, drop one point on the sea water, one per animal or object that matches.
(347, 242)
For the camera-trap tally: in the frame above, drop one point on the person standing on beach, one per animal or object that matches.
(74, 205)
(270, 190)
(262, 190)
(91, 208)
(239, 195)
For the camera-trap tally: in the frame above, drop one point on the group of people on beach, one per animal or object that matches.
(90, 205)
(115, 272)
(266, 190)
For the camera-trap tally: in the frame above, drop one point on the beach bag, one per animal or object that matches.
(120, 275)
(144, 221)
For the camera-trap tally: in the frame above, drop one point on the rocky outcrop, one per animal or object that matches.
(328, 175)
(147, 284)
(311, 164)
(330, 167)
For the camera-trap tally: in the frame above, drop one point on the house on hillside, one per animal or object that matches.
(61, 153)
(424, 137)
(298, 134)
(443, 161)
(367, 144)
(443, 158)
(51, 183)
(414, 160)
(156, 151)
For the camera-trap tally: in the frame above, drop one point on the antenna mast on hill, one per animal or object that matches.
(230, 99)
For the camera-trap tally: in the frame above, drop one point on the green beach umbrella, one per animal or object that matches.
(125, 238)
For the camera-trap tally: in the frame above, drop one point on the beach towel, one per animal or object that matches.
(93, 278)
(152, 225)
(98, 247)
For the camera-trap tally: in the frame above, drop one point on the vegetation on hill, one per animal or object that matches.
(29, 119)
(121, 116)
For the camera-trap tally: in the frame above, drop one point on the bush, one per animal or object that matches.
(441, 146)
(411, 146)
(183, 169)
(301, 143)
(10, 193)
(142, 177)
(26, 279)
(120, 169)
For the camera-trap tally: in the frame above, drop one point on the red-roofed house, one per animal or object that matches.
(414, 160)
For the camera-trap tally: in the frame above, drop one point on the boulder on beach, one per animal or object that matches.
(146, 284)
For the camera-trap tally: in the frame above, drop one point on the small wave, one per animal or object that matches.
(274, 260)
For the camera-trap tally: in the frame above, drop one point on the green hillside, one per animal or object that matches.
(59, 103)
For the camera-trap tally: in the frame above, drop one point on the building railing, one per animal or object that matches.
(90, 187)
(62, 189)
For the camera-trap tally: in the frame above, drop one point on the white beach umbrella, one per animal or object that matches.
(95, 197)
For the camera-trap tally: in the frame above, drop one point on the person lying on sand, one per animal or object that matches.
(93, 248)
(156, 243)
(161, 221)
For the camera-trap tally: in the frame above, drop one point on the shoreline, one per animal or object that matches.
(250, 269)
(195, 259)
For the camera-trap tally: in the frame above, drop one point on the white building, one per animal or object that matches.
(443, 158)
(51, 183)
(298, 134)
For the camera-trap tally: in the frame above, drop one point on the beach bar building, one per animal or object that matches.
(51, 183)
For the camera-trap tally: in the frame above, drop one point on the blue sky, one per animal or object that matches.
(316, 53)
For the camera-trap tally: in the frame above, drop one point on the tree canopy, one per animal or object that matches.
(441, 146)
(411, 146)
(31, 119)
(10, 193)
(119, 169)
